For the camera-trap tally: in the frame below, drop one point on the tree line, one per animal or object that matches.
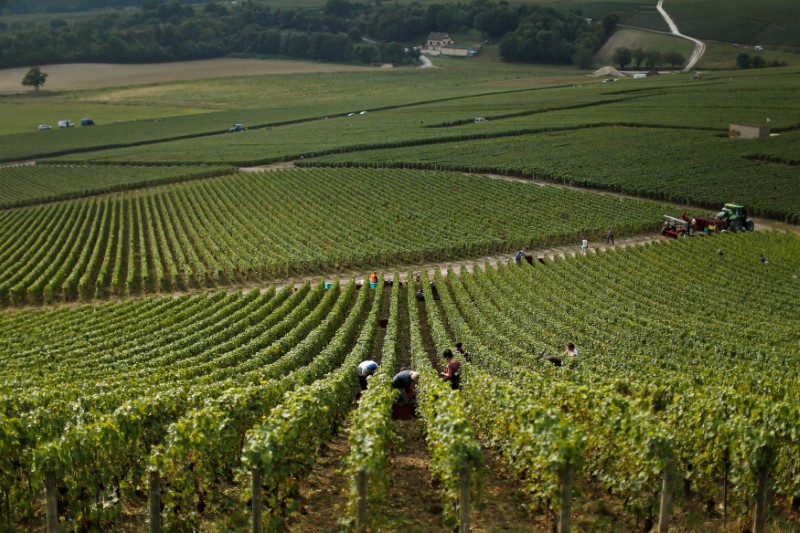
(181, 31)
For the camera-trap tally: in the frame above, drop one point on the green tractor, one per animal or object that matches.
(733, 217)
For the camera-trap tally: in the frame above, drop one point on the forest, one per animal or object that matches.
(341, 31)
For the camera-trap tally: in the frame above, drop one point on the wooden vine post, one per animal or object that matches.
(762, 490)
(666, 497)
(727, 464)
(361, 488)
(154, 499)
(257, 499)
(51, 501)
(565, 523)
(465, 476)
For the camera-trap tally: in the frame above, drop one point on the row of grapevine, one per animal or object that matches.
(371, 428)
(714, 427)
(455, 451)
(285, 445)
(259, 226)
(96, 446)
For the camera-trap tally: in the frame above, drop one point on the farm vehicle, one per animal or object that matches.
(732, 217)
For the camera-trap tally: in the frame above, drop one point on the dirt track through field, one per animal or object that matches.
(97, 75)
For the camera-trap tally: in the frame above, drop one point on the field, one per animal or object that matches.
(647, 41)
(769, 23)
(178, 340)
(86, 75)
(29, 185)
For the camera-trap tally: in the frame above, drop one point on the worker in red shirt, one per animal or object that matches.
(452, 371)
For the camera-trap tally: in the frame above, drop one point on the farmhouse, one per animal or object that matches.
(748, 131)
(436, 40)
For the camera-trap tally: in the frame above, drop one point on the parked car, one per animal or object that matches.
(44, 127)
(237, 127)
(87, 122)
(65, 124)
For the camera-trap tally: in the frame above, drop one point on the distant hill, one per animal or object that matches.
(765, 22)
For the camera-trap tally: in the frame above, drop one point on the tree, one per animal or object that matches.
(609, 23)
(338, 8)
(674, 58)
(653, 59)
(34, 78)
(743, 60)
(639, 56)
(758, 62)
(622, 56)
(583, 57)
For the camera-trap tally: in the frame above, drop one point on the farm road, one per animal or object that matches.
(699, 46)
(469, 263)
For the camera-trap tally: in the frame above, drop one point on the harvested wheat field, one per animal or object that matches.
(94, 75)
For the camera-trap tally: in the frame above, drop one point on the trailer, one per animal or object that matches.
(675, 227)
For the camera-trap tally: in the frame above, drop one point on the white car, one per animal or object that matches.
(44, 127)
(363, 113)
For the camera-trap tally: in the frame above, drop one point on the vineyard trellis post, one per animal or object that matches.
(361, 487)
(666, 497)
(154, 495)
(51, 501)
(727, 465)
(465, 476)
(762, 489)
(257, 499)
(565, 523)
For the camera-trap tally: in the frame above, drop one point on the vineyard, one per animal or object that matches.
(762, 175)
(258, 226)
(29, 185)
(179, 338)
(179, 399)
(664, 138)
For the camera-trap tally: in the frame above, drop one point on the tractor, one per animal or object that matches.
(732, 217)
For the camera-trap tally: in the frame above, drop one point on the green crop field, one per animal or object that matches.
(610, 158)
(26, 185)
(645, 40)
(252, 227)
(194, 395)
(772, 22)
(587, 132)
(21, 115)
(203, 376)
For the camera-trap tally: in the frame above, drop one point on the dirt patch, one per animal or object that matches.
(323, 494)
(273, 166)
(95, 75)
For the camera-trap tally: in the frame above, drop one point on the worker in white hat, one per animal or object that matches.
(366, 368)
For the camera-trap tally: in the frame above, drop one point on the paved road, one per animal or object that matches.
(699, 46)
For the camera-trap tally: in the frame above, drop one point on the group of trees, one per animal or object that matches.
(745, 60)
(178, 31)
(546, 35)
(623, 57)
